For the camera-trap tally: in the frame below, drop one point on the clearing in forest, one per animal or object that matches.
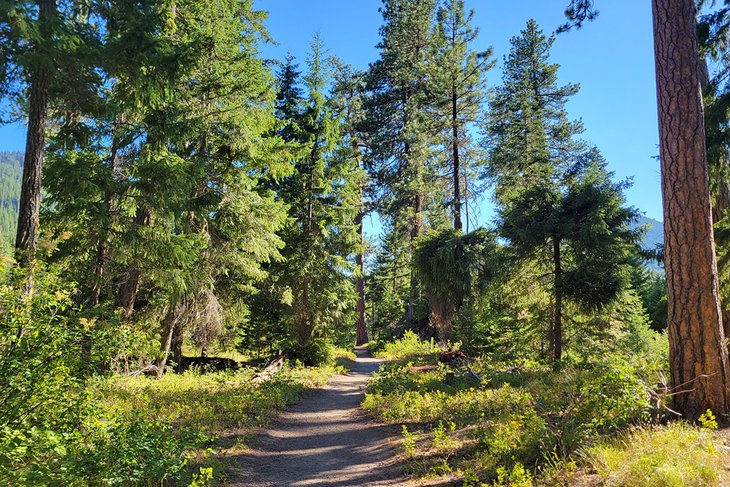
(324, 440)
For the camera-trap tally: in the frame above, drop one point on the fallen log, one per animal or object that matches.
(269, 371)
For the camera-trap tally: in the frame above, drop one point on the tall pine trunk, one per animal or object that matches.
(30, 193)
(698, 354)
(556, 335)
(455, 157)
(362, 331)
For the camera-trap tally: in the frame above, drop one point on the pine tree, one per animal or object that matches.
(47, 61)
(555, 199)
(459, 93)
(401, 131)
(348, 98)
(169, 181)
(699, 362)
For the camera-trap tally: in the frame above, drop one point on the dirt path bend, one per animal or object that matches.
(324, 440)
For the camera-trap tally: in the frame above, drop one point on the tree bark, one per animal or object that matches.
(698, 355)
(556, 336)
(455, 157)
(30, 193)
(362, 331)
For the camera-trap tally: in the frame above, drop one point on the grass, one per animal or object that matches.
(408, 349)
(674, 455)
(531, 426)
(212, 402)
(200, 408)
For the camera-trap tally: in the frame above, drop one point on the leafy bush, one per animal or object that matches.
(50, 431)
(409, 348)
(315, 352)
(513, 420)
(40, 355)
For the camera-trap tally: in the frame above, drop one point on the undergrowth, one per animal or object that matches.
(142, 431)
(528, 425)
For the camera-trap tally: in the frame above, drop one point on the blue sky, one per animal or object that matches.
(611, 58)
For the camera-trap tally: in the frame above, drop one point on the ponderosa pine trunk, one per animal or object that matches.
(698, 355)
(362, 330)
(556, 335)
(30, 193)
(455, 157)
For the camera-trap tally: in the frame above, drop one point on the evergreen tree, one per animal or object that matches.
(47, 62)
(169, 182)
(556, 201)
(401, 131)
(459, 93)
(323, 197)
(348, 98)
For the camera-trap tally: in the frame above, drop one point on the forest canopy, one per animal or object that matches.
(183, 201)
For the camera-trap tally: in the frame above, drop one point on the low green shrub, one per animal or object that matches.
(409, 349)
(514, 419)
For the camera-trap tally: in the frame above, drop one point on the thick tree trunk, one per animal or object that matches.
(362, 331)
(455, 158)
(698, 355)
(556, 335)
(30, 193)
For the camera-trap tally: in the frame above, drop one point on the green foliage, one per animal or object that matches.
(50, 431)
(519, 418)
(11, 172)
(409, 348)
(452, 268)
(672, 455)
(211, 403)
(40, 355)
(312, 293)
(517, 477)
(557, 204)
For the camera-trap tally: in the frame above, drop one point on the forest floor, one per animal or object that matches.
(324, 440)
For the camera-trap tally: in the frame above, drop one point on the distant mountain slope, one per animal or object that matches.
(655, 233)
(11, 173)
(654, 236)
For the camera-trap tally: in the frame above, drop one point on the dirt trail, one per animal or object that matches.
(324, 440)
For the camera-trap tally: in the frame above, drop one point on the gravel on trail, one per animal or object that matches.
(324, 440)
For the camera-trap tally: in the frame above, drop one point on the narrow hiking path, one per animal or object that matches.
(324, 440)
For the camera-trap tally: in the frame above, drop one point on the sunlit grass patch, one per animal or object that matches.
(409, 349)
(661, 456)
(210, 402)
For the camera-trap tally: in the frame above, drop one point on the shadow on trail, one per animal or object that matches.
(324, 440)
